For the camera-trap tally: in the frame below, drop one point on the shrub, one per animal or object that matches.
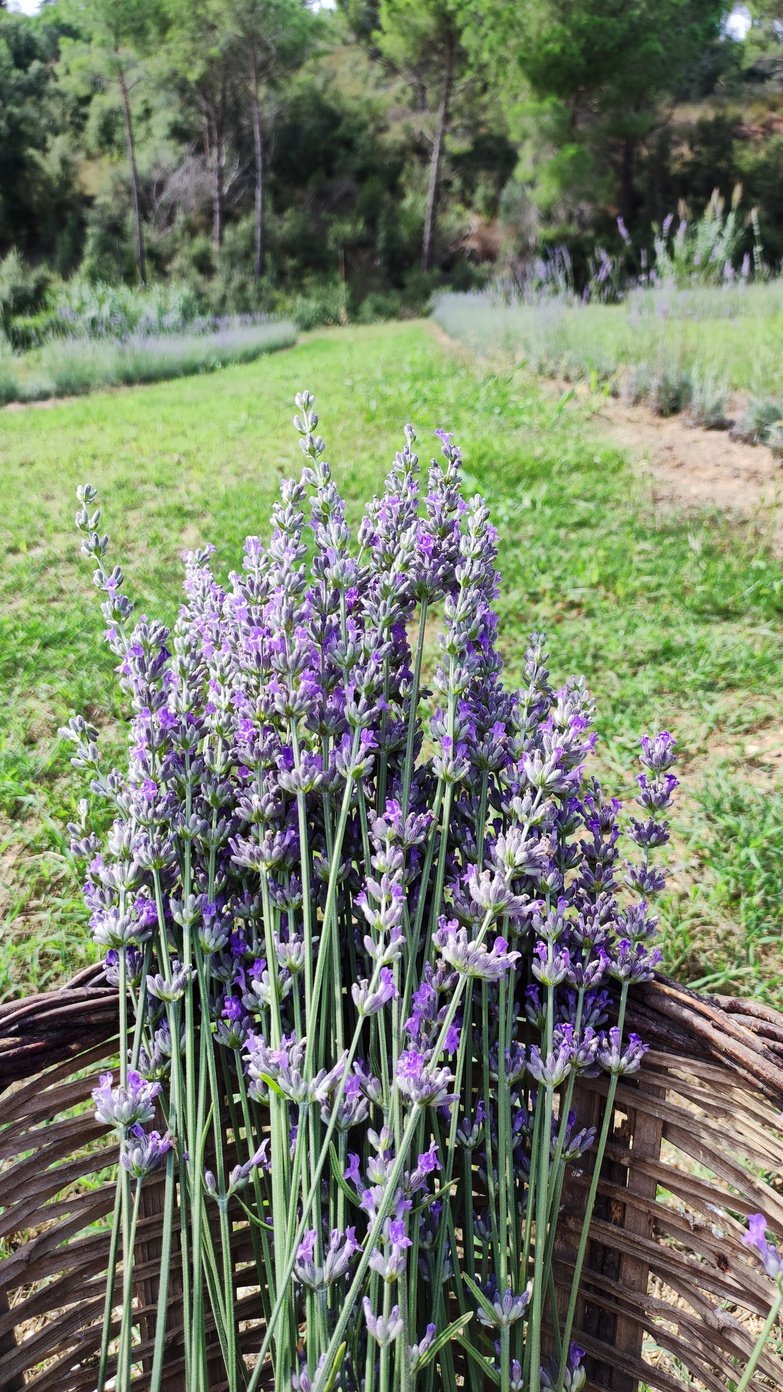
(387, 916)
(317, 308)
(380, 305)
(22, 288)
(666, 390)
(85, 309)
(71, 367)
(760, 416)
(708, 401)
(774, 439)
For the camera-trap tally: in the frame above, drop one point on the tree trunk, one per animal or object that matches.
(138, 233)
(430, 213)
(217, 119)
(217, 182)
(258, 150)
(627, 191)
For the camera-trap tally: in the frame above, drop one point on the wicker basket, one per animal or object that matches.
(671, 1297)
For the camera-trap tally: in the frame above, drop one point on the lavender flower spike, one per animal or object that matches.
(383, 1331)
(507, 1308)
(473, 959)
(771, 1256)
(421, 1083)
(617, 1060)
(144, 1151)
(338, 1255)
(124, 1106)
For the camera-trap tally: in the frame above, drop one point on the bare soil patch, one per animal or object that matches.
(688, 467)
(685, 466)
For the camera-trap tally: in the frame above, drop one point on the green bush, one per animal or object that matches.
(27, 331)
(380, 305)
(760, 416)
(23, 288)
(708, 405)
(315, 308)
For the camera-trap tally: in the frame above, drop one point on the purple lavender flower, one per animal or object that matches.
(470, 958)
(575, 1375)
(173, 987)
(417, 1352)
(658, 752)
(390, 1260)
(552, 1070)
(240, 1175)
(618, 1060)
(771, 1256)
(285, 822)
(383, 1330)
(369, 1002)
(284, 1067)
(125, 1106)
(144, 1151)
(336, 1263)
(422, 1083)
(507, 1307)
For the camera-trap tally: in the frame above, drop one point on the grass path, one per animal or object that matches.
(676, 622)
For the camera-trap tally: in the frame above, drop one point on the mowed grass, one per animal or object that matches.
(676, 622)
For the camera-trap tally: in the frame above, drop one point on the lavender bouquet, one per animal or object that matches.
(367, 937)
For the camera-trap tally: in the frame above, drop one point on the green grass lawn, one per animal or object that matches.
(676, 622)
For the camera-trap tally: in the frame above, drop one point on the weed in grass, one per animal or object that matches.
(774, 439)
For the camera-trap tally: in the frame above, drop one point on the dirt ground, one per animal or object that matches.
(689, 467)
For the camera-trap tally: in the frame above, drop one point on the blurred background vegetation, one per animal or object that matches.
(275, 156)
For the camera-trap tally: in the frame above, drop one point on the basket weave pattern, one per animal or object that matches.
(670, 1296)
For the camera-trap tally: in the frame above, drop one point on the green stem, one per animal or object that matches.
(591, 1197)
(126, 1333)
(161, 1314)
(407, 775)
(390, 1185)
(777, 1304)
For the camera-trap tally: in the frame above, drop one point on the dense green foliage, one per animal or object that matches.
(341, 163)
(674, 616)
